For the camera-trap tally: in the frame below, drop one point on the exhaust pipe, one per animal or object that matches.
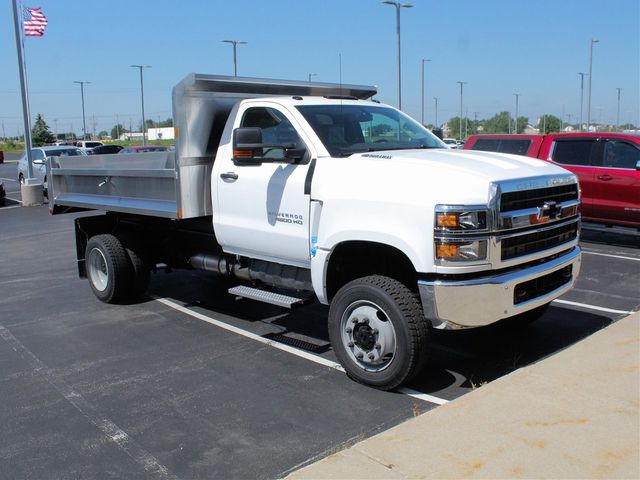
(219, 265)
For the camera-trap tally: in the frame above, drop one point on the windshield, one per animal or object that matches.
(348, 129)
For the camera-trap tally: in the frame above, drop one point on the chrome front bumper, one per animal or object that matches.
(485, 300)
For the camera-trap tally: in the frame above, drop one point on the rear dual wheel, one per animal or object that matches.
(116, 273)
(378, 331)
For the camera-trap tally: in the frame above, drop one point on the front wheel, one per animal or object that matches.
(378, 331)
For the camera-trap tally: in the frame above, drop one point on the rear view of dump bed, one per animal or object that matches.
(172, 184)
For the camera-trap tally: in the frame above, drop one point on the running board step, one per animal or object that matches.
(264, 296)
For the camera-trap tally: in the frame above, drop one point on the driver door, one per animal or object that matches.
(263, 210)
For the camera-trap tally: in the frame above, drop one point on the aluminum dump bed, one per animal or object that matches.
(174, 184)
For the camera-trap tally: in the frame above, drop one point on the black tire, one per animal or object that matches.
(141, 275)
(109, 268)
(381, 319)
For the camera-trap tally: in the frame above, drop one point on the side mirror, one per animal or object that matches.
(247, 146)
(38, 162)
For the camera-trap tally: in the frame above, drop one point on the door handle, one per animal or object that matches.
(605, 177)
(232, 176)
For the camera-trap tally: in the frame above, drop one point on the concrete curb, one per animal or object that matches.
(573, 415)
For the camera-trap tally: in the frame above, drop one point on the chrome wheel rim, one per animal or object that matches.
(98, 269)
(368, 335)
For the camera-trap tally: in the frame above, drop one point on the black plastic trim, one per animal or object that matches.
(309, 178)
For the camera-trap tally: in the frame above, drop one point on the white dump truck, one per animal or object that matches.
(309, 191)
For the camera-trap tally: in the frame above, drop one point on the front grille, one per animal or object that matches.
(537, 241)
(542, 285)
(511, 201)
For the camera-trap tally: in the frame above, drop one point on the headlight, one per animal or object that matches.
(460, 251)
(461, 220)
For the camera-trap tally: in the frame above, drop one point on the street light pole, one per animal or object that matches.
(398, 6)
(424, 60)
(84, 123)
(461, 85)
(618, 111)
(140, 67)
(235, 44)
(515, 130)
(581, 97)
(593, 40)
(312, 75)
(436, 100)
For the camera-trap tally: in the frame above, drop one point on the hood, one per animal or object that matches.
(439, 175)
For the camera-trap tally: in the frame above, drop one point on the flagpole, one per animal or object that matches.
(23, 88)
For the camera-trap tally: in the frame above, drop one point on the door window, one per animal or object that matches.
(573, 152)
(620, 154)
(276, 129)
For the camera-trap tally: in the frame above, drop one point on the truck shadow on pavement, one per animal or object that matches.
(468, 359)
(460, 360)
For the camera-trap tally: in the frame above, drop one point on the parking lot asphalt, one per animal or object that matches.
(192, 383)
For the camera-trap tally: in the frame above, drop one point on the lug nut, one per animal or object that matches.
(366, 321)
(371, 356)
(350, 344)
(348, 330)
(378, 346)
(360, 355)
(354, 320)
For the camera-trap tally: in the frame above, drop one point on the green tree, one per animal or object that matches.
(548, 124)
(118, 130)
(40, 133)
(468, 126)
(499, 123)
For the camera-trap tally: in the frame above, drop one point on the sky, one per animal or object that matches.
(499, 47)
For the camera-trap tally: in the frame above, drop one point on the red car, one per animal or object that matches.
(143, 149)
(606, 164)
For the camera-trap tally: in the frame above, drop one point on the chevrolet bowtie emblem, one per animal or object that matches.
(549, 211)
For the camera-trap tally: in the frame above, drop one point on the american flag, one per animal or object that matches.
(34, 22)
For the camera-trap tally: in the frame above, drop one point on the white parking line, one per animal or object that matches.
(592, 307)
(423, 396)
(252, 336)
(9, 207)
(8, 179)
(14, 199)
(300, 353)
(589, 252)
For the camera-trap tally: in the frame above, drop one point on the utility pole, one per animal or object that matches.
(84, 123)
(235, 44)
(422, 90)
(618, 110)
(436, 100)
(312, 75)
(515, 129)
(461, 95)
(140, 67)
(398, 6)
(593, 40)
(581, 97)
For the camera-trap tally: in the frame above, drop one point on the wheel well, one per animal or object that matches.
(351, 260)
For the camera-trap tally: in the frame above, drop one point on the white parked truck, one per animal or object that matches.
(307, 190)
